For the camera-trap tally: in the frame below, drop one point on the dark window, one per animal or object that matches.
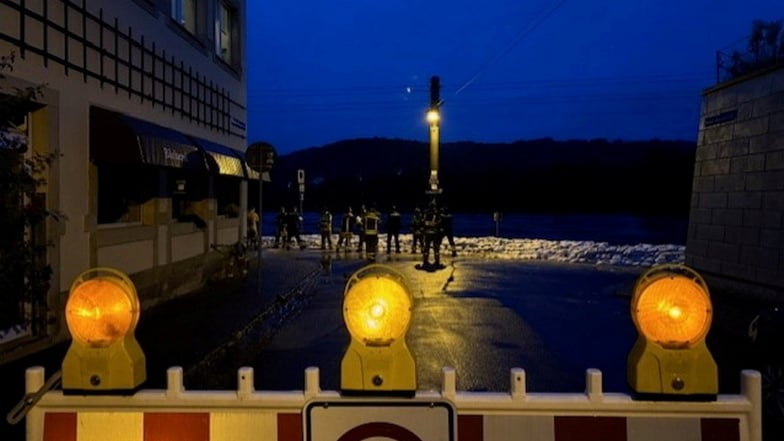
(227, 33)
(227, 195)
(122, 190)
(187, 189)
(190, 15)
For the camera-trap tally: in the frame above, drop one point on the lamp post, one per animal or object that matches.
(433, 117)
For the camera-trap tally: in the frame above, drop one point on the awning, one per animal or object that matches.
(223, 160)
(121, 139)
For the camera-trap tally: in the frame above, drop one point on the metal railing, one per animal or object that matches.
(749, 55)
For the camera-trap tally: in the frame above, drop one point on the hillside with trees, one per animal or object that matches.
(533, 176)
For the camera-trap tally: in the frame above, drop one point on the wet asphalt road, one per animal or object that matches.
(483, 318)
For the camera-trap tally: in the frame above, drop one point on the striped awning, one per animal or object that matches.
(223, 160)
(122, 139)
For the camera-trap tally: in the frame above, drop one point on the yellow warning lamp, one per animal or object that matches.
(672, 311)
(101, 313)
(377, 309)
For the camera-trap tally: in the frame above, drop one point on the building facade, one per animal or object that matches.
(736, 221)
(144, 110)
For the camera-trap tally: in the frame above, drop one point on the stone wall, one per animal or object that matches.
(736, 221)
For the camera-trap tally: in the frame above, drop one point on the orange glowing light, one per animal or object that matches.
(673, 311)
(101, 311)
(377, 310)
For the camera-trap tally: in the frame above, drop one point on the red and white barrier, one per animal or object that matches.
(246, 414)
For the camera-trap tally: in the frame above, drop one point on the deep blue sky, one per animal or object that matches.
(322, 71)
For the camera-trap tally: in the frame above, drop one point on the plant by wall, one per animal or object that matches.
(25, 274)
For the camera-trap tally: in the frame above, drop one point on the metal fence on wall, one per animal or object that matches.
(748, 56)
(86, 44)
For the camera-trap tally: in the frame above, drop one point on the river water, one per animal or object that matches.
(615, 229)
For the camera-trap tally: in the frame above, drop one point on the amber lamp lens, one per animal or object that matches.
(673, 311)
(377, 310)
(100, 312)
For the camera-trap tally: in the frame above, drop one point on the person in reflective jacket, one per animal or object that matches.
(432, 232)
(346, 225)
(325, 228)
(370, 225)
(446, 227)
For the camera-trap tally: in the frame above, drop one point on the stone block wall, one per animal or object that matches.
(736, 221)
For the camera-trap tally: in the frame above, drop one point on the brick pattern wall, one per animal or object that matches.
(736, 222)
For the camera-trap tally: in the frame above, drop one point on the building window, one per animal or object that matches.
(227, 196)
(226, 42)
(188, 191)
(122, 190)
(186, 13)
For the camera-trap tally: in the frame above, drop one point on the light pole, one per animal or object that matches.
(433, 117)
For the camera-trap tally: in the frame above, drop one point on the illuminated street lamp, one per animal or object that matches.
(377, 308)
(433, 118)
(672, 311)
(101, 313)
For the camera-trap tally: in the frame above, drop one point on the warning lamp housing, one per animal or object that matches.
(377, 309)
(672, 311)
(101, 313)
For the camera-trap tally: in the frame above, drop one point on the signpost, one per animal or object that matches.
(260, 157)
(301, 182)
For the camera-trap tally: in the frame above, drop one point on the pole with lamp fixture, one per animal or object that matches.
(433, 117)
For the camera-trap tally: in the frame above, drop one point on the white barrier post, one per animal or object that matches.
(312, 382)
(448, 383)
(174, 385)
(34, 420)
(751, 387)
(593, 384)
(517, 380)
(245, 383)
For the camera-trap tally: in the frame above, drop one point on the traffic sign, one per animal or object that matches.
(361, 419)
(260, 156)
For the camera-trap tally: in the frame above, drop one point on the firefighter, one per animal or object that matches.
(325, 227)
(416, 230)
(281, 234)
(446, 226)
(254, 240)
(293, 225)
(394, 222)
(360, 225)
(346, 225)
(432, 233)
(370, 224)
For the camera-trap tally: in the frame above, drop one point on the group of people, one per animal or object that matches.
(288, 227)
(429, 227)
(365, 224)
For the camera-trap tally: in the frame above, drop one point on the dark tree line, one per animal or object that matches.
(537, 176)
